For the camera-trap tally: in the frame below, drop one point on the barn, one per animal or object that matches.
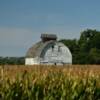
(48, 51)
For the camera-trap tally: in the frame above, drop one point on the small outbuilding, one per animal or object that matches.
(48, 51)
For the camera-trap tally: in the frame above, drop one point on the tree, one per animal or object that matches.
(94, 56)
(86, 38)
(86, 49)
(89, 40)
(12, 60)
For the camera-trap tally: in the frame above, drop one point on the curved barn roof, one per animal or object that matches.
(36, 50)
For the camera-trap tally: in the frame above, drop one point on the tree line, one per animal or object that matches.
(12, 60)
(85, 50)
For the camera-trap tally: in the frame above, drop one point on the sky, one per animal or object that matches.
(23, 21)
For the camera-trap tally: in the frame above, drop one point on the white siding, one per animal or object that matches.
(59, 54)
(31, 61)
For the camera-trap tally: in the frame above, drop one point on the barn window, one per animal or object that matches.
(52, 47)
(59, 48)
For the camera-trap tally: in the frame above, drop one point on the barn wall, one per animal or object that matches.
(60, 54)
(31, 61)
(52, 53)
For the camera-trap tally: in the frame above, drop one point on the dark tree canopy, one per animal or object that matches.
(86, 50)
(12, 60)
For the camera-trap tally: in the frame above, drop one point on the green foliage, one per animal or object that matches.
(94, 56)
(86, 50)
(12, 61)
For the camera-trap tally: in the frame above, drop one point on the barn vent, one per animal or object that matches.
(48, 37)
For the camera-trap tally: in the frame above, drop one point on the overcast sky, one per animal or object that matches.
(23, 21)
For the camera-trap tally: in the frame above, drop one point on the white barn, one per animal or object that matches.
(48, 51)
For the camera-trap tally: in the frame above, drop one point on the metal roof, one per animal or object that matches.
(36, 50)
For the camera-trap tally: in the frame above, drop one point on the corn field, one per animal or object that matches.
(76, 82)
